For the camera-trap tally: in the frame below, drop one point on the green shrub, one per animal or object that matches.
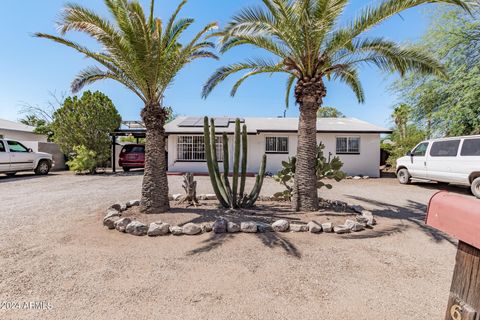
(325, 170)
(84, 160)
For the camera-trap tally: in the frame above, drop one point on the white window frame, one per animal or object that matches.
(348, 150)
(276, 151)
(196, 147)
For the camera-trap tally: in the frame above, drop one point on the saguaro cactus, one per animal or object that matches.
(229, 195)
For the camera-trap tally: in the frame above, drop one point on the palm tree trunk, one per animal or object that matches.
(305, 196)
(155, 182)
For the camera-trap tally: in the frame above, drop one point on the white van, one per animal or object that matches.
(448, 160)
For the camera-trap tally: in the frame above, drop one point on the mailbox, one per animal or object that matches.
(459, 217)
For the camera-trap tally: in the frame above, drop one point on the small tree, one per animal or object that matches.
(329, 112)
(325, 169)
(86, 121)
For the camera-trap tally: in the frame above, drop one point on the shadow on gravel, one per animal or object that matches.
(413, 212)
(23, 177)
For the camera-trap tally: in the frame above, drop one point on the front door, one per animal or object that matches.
(4, 158)
(20, 157)
(418, 165)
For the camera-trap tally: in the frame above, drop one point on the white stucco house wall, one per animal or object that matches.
(20, 132)
(356, 142)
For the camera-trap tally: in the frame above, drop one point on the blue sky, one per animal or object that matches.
(30, 68)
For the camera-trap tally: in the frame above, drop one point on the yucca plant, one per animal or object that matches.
(307, 42)
(145, 55)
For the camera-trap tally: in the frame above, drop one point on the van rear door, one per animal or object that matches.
(442, 159)
(4, 158)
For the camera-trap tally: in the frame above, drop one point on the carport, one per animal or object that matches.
(134, 129)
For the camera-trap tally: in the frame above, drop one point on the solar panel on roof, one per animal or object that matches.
(189, 122)
(222, 122)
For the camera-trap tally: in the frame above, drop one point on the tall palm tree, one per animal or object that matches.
(400, 116)
(144, 55)
(305, 40)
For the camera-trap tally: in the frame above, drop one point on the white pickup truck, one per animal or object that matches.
(449, 160)
(15, 157)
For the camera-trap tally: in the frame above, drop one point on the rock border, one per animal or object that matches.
(113, 219)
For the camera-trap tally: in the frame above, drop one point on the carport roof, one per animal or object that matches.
(15, 126)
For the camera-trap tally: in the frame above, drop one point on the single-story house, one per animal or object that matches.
(355, 142)
(19, 132)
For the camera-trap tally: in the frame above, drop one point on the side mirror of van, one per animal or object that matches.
(30, 150)
(410, 154)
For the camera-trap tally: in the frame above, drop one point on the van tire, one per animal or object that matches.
(10, 174)
(404, 176)
(43, 168)
(475, 187)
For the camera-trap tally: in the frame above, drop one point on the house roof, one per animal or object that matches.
(181, 125)
(15, 126)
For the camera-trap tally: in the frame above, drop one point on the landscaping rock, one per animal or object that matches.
(298, 228)
(361, 219)
(314, 227)
(133, 203)
(280, 225)
(116, 206)
(211, 196)
(220, 226)
(112, 213)
(137, 228)
(123, 207)
(207, 227)
(176, 197)
(357, 209)
(264, 227)
(110, 223)
(349, 223)
(233, 227)
(366, 177)
(158, 229)
(357, 178)
(327, 227)
(368, 215)
(202, 197)
(249, 227)
(176, 230)
(341, 229)
(191, 229)
(357, 227)
(121, 225)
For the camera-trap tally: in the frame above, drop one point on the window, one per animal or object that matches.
(15, 146)
(471, 147)
(133, 149)
(346, 145)
(276, 144)
(445, 148)
(420, 150)
(2, 147)
(192, 148)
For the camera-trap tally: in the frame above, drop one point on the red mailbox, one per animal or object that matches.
(459, 216)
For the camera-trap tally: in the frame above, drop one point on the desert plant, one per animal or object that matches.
(310, 42)
(231, 196)
(325, 169)
(83, 160)
(145, 54)
(190, 187)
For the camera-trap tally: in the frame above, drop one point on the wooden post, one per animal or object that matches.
(464, 300)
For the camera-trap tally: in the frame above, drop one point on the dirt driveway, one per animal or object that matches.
(53, 249)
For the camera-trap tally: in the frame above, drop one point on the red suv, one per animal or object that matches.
(132, 156)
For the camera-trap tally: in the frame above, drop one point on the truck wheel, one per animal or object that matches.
(42, 168)
(476, 187)
(403, 176)
(11, 174)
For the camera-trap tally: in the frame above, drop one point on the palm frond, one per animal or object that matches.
(349, 76)
(290, 81)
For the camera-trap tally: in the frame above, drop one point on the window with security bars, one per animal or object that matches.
(346, 145)
(192, 148)
(276, 144)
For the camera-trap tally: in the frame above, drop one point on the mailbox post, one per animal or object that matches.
(459, 216)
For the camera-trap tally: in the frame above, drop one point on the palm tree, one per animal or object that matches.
(400, 116)
(144, 55)
(305, 40)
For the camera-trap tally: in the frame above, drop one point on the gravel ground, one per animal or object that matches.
(54, 249)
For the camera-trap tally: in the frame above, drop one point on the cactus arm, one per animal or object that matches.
(236, 162)
(244, 160)
(218, 177)
(226, 169)
(210, 164)
(252, 198)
